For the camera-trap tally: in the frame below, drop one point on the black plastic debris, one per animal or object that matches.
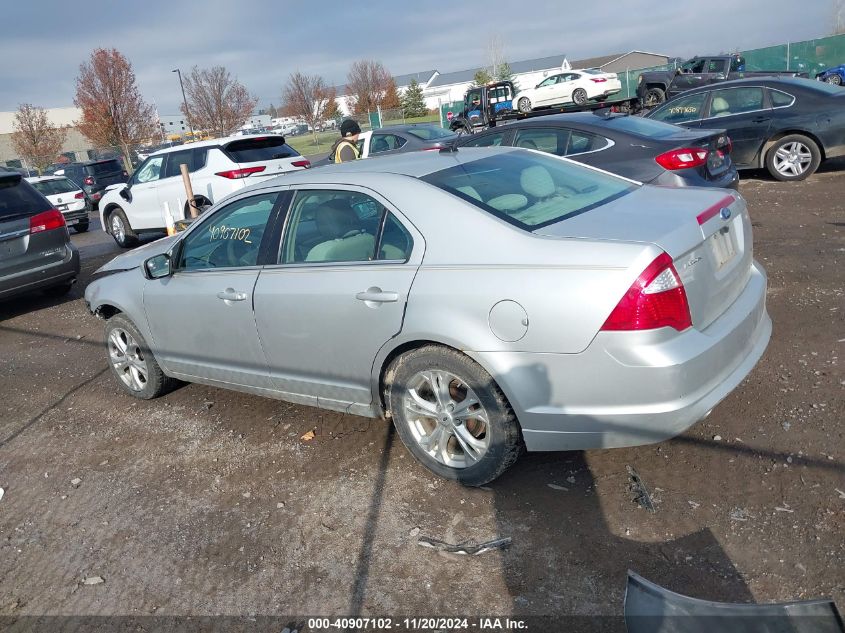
(637, 486)
(467, 547)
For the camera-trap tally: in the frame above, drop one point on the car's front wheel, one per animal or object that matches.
(794, 157)
(121, 230)
(524, 104)
(451, 415)
(579, 96)
(132, 362)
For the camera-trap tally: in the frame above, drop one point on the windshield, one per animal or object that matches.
(530, 190)
(104, 168)
(54, 187)
(429, 132)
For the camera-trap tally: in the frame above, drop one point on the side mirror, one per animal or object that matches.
(157, 267)
(126, 194)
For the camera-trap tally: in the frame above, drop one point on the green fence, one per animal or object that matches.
(810, 56)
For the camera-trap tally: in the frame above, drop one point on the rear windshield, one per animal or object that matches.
(252, 150)
(643, 127)
(530, 190)
(54, 187)
(18, 198)
(104, 168)
(429, 132)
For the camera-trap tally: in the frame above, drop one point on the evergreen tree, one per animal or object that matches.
(481, 78)
(413, 104)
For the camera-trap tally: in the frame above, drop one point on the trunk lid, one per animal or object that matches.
(270, 152)
(711, 250)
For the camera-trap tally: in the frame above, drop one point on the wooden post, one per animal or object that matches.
(189, 191)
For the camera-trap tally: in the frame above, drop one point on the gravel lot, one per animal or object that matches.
(208, 502)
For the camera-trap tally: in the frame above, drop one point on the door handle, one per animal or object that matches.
(377, 295)
(761, 119)
(231, 295)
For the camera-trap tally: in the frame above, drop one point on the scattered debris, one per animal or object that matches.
(637, 486)
(556, 487)
(570, 479)
(2, 492)
(308, 436)
(740, 514)
(784, 509)
(280, 505)
(693, 504)
(717, 438)
(208, 404)
(75, 482)
(246, 495)
(467, 547)
(786, 424)
(414, 532)
(93, 580)
(841, 494)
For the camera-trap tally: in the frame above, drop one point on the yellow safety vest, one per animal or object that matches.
(340, 147)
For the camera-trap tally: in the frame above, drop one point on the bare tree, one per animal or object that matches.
(367, 84)
(113, 112)
(35, 138)
(838, 17)
(217, 102)
(308, 97)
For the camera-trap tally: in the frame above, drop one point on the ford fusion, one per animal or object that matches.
(486, 301)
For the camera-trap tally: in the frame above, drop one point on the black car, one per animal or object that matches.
(396, 139)
(788, 126)
(93, 176)
(35, 248)
(633, 147)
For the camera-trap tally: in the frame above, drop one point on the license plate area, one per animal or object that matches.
(723, 246)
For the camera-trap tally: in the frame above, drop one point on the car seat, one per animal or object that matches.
(344, 239)
(720, 107)
(380, 145)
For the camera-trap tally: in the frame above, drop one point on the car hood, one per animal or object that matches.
(137, 256)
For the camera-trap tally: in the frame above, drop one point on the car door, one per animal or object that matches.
(337, 294)
(546, 91)
(201, 316)
(686, 111)
(692, 74)
(565, 87)
(747, 117)
(142, 207)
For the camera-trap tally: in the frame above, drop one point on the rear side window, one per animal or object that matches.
(529, 190)
(253, 150)
(18, 198)
(55, 187)
(781, 99)
(105, 168)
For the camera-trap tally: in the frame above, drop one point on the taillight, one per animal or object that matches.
(79, 196)
(656, 299)
(234, 174)
(301, 163)
(729, 146)
(598, 80)
(89, 180)
(683, 158)
(46, 221)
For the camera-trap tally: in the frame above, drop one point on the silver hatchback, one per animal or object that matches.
(485, 300)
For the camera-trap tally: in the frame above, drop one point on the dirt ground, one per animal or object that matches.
(208, 502)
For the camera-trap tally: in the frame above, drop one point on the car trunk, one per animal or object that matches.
(714, 142)
(269, 152)
(712, 253)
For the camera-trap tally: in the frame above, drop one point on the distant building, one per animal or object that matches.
(76, 144)
(173, 125)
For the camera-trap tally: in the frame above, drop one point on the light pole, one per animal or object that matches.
(187, 115)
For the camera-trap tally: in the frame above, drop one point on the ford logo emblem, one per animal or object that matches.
(725, 213)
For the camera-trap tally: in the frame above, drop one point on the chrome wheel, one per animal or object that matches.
(792, 159)
(836, 80)
(127, 359)
(524, 105)
(446, 418)
(579, 96)
(118, 230)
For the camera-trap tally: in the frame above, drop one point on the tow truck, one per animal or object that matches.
(492, 104)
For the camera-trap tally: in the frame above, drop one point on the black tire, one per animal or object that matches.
(793, 140)
(155, 382)
(836, 80)
(128, 238)
(524, 105)
(654, 97)
(505, 440)
(58, 291)
(579, 96)
(81, 227)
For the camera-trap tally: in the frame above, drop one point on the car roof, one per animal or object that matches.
(43, 178)
(769, 82)
(404, 127)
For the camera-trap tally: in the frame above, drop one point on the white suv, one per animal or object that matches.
(155, 196)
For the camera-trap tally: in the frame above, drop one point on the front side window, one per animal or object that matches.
(231, 237)
(550, 81)
(681, 110)
(150, 170)
(529, 190)
(735, 101)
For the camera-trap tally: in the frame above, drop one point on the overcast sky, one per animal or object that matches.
(42, 43)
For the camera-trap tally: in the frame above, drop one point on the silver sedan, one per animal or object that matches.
(486, 301)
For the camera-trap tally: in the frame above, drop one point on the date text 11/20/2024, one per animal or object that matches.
(417, 624)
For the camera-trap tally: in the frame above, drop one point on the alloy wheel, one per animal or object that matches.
(446, 418)
(793, 159)
(117, 228)
(127, 359)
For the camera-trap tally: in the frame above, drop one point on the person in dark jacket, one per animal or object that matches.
(346, 149)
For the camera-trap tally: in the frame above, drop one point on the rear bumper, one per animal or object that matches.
(42, 276)
(692, 178)
(633, 388)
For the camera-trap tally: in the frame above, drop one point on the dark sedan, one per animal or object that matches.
(396, 139)
(633, 147)
(788, 126)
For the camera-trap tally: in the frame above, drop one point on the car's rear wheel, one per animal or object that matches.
(579, 96)
(81, 227)
(451, 415)
(654, 97)
(121, 230)
(794, 157)
(524, 104)
(132, 362)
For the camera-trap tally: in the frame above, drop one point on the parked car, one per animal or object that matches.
(835, 75)
(35, 248)
(656, 86)
(66, 196)
(93, 176)
(396, 139)
(23, 171)
(572, 86)
(218, 168)
(633, 147)
(482, 300)
(789, 126)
